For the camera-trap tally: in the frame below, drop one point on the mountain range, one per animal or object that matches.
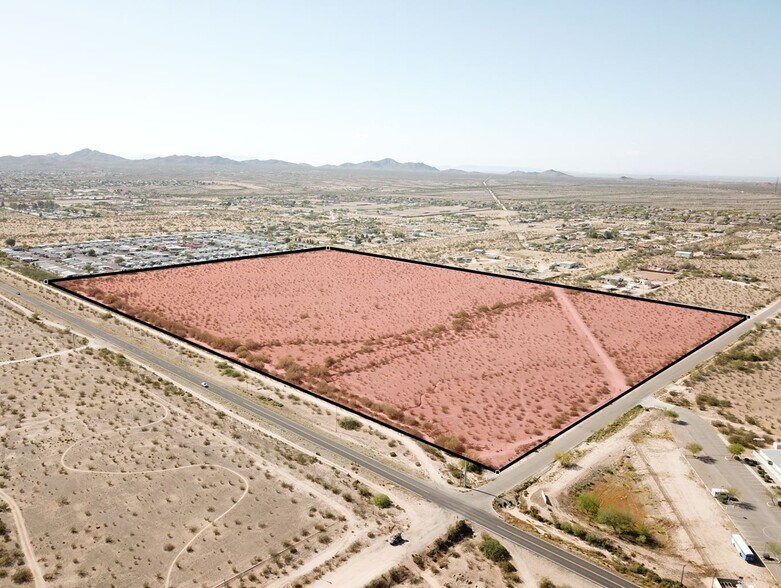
(89, 159)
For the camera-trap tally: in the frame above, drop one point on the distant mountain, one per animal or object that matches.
(92, 156)
(548, 173)
(83, 158)
(95, 160)
(386, 164)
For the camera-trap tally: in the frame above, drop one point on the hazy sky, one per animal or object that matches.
(624, 86)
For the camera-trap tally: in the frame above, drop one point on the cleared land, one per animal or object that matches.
(483, 366)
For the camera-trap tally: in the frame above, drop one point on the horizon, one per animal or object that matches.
(483, 169)
(604, 89)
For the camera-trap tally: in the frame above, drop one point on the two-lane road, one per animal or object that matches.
(460, 504)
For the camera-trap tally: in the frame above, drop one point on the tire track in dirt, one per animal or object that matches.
(48, 355)
(24, 541)
(157, 471)
(615, 378)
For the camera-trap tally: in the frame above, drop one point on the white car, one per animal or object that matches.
(205, 384)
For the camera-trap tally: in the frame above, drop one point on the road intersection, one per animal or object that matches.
(476, 506)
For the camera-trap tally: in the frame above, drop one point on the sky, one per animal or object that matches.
(625, 87)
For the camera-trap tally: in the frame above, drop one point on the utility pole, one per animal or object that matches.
(465, 481)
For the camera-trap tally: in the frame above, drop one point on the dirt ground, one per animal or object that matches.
(744, 392)
(714, 293)
(641, 470)
(13, 564)
(123, 482)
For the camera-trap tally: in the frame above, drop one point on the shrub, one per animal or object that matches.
(382, 501)
(619, 520)
(694, 448)
(22, 576)
(588, 503)
(350, 423)
(450, 443)
(565, 459)
(494, 550)
(458, 531)
(736, 448)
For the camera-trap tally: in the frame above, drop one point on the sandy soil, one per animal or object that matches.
(483, 366)
(751, 391)
(16, 551)
(108, 475)
(715, 293)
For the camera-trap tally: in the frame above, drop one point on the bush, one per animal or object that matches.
(350, 423)
(565, 459)
(588, 503)
(450, 443)
(494, 550)
(619, 520)
(22, 576)
(382, 501)
(694, 448)
(458, 531)
(736, 448)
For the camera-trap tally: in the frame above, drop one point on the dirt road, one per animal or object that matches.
(24, 540)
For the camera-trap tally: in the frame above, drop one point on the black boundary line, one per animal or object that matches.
(56, 284)
(399, 259)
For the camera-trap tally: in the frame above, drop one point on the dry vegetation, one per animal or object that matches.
(740, 388)
(124, 480)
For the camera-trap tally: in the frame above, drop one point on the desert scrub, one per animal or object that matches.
(382, 501)
(350, 423)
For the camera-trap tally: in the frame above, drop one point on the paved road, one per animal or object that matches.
(758, 520)
(537, 462)
(461, 504)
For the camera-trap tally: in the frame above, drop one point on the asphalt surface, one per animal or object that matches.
(460, 504)
(755, 515)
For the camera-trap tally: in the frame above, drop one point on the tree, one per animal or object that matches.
(774, 548)
(382, 501)
(735, 448)
(494, 550)
(618, 520)
(733, 493)
(10, 241)
(588, 503)
(694, 448)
